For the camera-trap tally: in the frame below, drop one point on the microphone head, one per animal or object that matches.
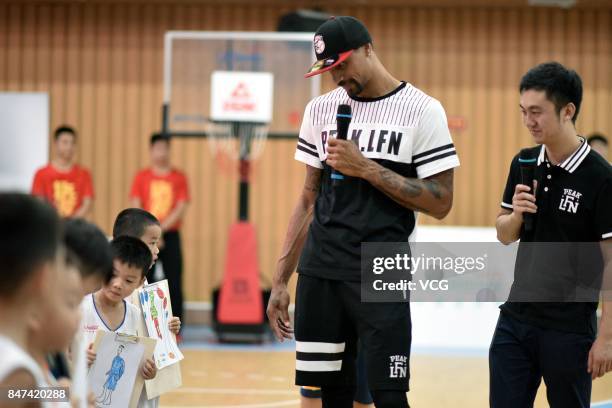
(525, 159)
(344, 111)
(343, 119)
(528, 165)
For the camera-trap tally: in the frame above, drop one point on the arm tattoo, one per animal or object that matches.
(410, 187)
(441, 181)
(429, 196)
(434, 189)
(313, 182)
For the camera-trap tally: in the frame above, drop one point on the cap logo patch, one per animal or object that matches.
(319, 44)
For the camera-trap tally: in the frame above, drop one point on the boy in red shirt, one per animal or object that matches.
(63, 183)
(162, 190)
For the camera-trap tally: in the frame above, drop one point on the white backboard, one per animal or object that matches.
(191, 58)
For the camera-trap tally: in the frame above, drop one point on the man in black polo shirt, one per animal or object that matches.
(572, 205)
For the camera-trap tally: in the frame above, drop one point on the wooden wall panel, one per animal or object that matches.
(101, 62)
(14, 48)
(29, 52)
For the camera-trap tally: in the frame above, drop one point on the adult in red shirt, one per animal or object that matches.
(162, 190)
(62, 182)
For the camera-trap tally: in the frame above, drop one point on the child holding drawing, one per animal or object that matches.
(141, 224)
(107, 309)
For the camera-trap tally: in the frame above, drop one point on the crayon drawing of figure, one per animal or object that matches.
(154, 314)
(113, 375)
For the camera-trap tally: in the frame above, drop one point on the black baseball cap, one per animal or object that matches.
(335, 41)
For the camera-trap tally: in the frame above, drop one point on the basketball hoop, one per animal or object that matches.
(241, 109)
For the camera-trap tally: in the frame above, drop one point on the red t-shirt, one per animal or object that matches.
(159, 194)
(64, 190)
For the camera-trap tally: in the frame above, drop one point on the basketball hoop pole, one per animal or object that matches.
(244, 169)
(245, 172)
(165, 110)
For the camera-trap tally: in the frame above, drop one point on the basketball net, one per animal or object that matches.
(233, 141)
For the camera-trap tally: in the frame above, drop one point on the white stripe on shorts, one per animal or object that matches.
(302, 365)
(317, 347)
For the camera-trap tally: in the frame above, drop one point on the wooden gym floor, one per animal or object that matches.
(233, 377)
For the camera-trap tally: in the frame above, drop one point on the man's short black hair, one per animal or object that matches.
(561, 85)
(132, 252)
(64, 129)
(133, 222)
(91, 247)
(597, 137)
(31, 235)
(159, 137)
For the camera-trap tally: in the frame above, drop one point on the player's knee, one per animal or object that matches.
(337, 397)
(390, 399)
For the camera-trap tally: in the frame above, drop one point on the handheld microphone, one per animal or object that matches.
(343, 120)
(527, 176)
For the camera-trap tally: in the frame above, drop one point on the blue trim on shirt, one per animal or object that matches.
(93, 299)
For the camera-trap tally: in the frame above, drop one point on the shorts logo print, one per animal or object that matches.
(398, 366)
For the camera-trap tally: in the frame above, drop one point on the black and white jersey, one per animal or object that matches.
(405, 131)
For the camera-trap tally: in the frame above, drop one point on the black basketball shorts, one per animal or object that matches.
(330, 318)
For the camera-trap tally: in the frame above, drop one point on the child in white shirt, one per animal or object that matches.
(107, 309)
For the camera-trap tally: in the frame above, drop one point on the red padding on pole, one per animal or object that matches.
(240, 300)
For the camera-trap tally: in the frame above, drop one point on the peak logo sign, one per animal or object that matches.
(241, 96)
(240, 100)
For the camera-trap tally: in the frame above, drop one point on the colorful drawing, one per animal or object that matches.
(156, 309)
(154, 314)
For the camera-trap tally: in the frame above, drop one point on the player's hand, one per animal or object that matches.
(174, 325)
(149, 370)
(91, 355)
(523, 201)
(600, 357)
(278, 313)
(345, 157)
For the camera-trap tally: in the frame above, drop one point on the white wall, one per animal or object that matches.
(24, 138)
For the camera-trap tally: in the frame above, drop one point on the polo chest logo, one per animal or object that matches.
(570, 201)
